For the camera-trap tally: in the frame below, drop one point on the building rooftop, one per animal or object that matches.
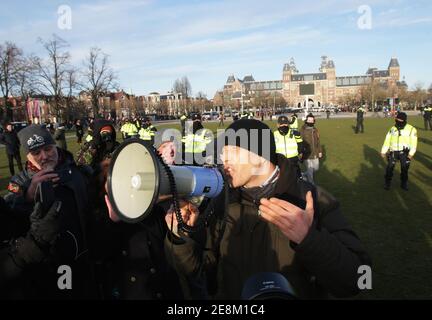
(394, 63)
(231, 79)
(248, 78)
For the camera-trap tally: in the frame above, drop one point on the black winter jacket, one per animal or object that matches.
(11, 141)
(238, 244)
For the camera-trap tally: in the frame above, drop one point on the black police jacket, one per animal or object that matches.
(10, 140)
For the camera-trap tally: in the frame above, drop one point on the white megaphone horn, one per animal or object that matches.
(138, 176)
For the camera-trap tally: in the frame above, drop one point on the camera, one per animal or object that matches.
(268, 286)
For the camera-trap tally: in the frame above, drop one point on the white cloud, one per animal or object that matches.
(148, 38)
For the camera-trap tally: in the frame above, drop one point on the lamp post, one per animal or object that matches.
(242, 102)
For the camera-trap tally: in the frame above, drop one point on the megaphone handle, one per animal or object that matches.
(181, 224)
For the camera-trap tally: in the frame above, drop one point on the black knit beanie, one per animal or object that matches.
(254, 136)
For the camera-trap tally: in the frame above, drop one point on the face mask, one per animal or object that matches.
(197, 126)
(106, 137)
(310, 124)
(400, 124)
(283, 130)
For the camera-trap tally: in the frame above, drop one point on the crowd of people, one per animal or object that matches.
(57, 212)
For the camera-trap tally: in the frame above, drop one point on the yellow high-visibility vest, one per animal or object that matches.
(196, 143)
(288, 145)
(396, 140)
(147, 133)
(89, 138)
(294, 125)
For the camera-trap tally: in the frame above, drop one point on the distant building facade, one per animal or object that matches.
(295, 88)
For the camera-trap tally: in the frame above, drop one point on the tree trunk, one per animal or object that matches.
(95, 107)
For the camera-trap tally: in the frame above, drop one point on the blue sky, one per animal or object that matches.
(151, 42)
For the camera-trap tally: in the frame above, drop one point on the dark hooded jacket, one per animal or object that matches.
(238, 244)
(40, 281)
(11, 142)
(95, 151)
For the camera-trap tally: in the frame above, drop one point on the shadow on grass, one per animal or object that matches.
(424, 159)
(425, 141)
(393, 225)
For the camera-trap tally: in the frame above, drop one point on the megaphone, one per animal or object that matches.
(138, 176)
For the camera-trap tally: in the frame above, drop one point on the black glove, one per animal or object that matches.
(43, 233)
(44, 227)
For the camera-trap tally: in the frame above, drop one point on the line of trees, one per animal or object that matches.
(377, 94)
(53, 75)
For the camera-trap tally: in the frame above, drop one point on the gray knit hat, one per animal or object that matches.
(34, 137)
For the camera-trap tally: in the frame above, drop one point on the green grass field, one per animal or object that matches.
(395, 226)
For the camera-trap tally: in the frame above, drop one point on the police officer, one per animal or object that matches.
(400, 145)
(294, 122)
(183, 119)
(195, 141)
(147, 131)
(360, 115)
(10, 139)
(427, 116)
(60, 136)
(288, 142)
(129, 130)
(79, 131)
(137, 123)
(89, 136)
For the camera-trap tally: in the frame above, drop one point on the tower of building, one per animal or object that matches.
(394, 69)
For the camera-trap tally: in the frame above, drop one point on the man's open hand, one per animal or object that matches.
(293, 221)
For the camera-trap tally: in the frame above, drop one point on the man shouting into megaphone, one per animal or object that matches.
(267, 220)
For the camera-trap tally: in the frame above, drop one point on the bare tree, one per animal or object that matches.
(187, 88)
(10, 61)
(183, 86)
(201, 101)
(71, 84)
(419, 94)
(51, 72)
(98, 77)
(24, 79)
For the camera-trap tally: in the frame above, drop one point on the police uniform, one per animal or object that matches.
(427, 116)
(129, 130)
(360, 114)
(294, 122)
(183, 119)
(195, 142)
(290, 144)
(147, 131)
(400, 145)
